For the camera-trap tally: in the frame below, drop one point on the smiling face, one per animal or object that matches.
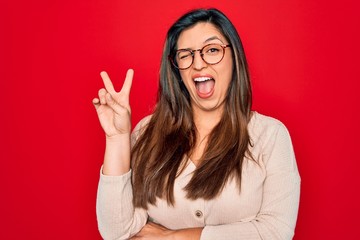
(207, 84)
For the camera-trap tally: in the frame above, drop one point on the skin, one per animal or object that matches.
(152, 231)
(113, 110)
(208, 111)
(197, 37)
(114, 114)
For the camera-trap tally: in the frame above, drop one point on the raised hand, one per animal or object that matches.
(113, 107)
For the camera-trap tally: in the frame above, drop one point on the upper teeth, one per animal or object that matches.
(201, 79)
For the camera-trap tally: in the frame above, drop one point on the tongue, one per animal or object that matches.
(205, 87)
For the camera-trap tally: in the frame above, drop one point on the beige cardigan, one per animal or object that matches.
(266, 208)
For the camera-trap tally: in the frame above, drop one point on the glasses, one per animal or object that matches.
(211, 54)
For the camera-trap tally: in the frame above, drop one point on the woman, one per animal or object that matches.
(203, 165)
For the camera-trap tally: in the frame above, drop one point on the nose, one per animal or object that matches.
(199, 63)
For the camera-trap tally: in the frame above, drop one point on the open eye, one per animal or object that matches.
(213, 49)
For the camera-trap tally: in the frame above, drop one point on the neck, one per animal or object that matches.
(205, 121)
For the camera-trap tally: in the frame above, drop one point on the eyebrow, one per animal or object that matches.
(206, 41)
(213, 38)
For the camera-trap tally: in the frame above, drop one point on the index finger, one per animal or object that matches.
(128, 82)
(107, 82)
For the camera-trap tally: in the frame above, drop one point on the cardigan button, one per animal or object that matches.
(198, 213)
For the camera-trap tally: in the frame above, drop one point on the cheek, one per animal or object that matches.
(226, 74)
(229, 71)
(182, 75)
(185, 77)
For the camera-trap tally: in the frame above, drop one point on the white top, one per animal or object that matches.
(266, 207)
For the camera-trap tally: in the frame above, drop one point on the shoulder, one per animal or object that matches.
(140, 128)
(142, 123)
(272, 145)
(264, 128)
(260, 122)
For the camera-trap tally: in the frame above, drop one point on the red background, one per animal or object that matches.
(304, 62)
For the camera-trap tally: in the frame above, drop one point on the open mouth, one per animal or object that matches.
(204, 86)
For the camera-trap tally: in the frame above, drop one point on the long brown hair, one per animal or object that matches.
(170, 135)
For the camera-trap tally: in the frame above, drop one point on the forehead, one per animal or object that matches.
(199, 34)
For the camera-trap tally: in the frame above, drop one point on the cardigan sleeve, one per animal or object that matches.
(281, 192)
(116, 215)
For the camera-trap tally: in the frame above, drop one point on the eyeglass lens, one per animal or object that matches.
(211, 54)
